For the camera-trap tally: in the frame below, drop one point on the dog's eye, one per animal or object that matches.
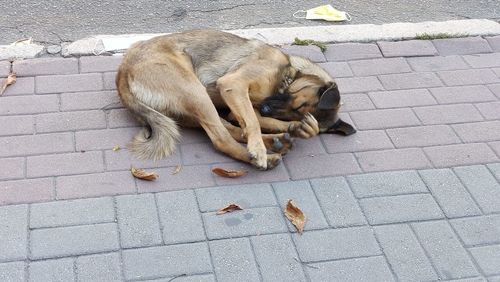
(302, 105)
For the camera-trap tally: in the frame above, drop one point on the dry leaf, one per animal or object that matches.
(229, 208)
(144, 175)
(11, 79)
(229, 173)
(21, 42)
(295, 215)
(177, 169)
(116, 148)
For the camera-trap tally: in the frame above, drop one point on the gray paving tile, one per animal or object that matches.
(310, 52)
(13, 232)
(185, 278)
(386, 184)
(482, 185)
(444, 114)
(468, 77)
(246, 196)
(402, 98)
(437, 63)
(337, 69)
(495, 169)
(476, 231)
(351, 51)
(234, 260)
(463, 94)
(386, 118)
(421, 136)
(105, 267)
(332, 244)
(361, 141)
(52, 270)
(407, 48)
(398, 159)
(488, 258)
(359, 269)
(478, 131)
(322, 165)
(483, 60)
(461, 46)
(13, 271)
(379, 66)
(460, 154)
(410, 80)
(337, 201)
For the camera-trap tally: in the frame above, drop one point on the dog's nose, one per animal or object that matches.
(266, 110)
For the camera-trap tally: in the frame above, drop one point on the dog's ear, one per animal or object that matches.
(330, 98)
(343, 128)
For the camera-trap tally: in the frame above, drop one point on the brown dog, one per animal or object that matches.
(185, 78)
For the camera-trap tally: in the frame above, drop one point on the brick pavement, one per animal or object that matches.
(414, 195)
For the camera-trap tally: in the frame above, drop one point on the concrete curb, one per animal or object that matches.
(109, 44)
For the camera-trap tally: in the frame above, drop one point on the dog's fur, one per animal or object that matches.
(185, 78)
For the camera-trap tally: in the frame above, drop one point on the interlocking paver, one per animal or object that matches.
(452, 196)
(93, 185)
(13, 232)
(494, 42)
(463, 94)
(450, 259)
(387, 118)
(476, 231)
(467, 77)
(379, 66)
(45, 66)
(122, 160)
(13, 271)
(444, 114)
(359, 84)
(356, 102)
(489, 110)
(202, 153)
(277, 258)
(404, 253)
(254, 176)
(410, 80)
(138, 221)
(460, 154)
(89, 100)
(109, 80)
(121, 118)
(437, 63)
(421, 136)
(461, 46)
(358, 269)
(488, 258)
(338, 202)
(306, 147)
(398, 159)
(234, 260)
(36, 144)
(164, 261)
(18, 105)
(402, 98)
(351, 51)
(99, 63)
(52, 270)
(188, 177)
(322, 165)
(337, 69)
(349, 243)
(16, 125)
(386, 183)
(408, 48)
(105, 267)
(495, 169)
(495, 88)
(11, 168)
(68, 83)
(246, 196)
(186, 278)
(361, 141)
(482, 185)
(310, 52)
(4, 68)
(23, 86)
(478, 131)
(26, 191)
(483, 60)
(496, 147)
(104, 139)
(74, 212)
(64, 164)
(70, 121)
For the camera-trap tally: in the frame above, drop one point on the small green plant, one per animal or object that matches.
(306, 42)
(441, 35)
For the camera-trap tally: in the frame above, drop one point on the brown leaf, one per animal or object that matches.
(116, 148)
(11, 79)
(144, 175)
(229, 208)
(229, 173)
(295, 215)
(177, 169)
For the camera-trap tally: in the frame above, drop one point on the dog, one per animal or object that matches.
(209, 78)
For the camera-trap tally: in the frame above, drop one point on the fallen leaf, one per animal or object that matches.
(116, 148)
(295, 215)
(24, 41)
(177, 169)
(144, 175)
(229, 208)
(11, 79)
(229, 173)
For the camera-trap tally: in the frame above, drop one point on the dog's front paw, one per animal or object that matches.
(258, 154)
(281, 144)
(308, 127)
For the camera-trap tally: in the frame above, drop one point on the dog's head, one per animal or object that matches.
(311, 91)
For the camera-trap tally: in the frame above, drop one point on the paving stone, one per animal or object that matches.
(463, 94)
(64, 164)
(4, 68)
(99, 63)
(356, 102)
(16, 125)
(156, 262)
(381, 119)
(307, 147)
(444, 114)
(460, 154)
(332, 244)
(496, 147)
(311, 52)
(398, 159)
(246, 196)
(121, 118)
(437, 63)
(450, 259)
(277, 258)
(361, 141)
(322, 165)
(489, 110)
(452, 196)
(109, 80)
(233, 260)
(191, 278)
(247, 222)
(11, 168)
(74, 240)
(337, 69)
(488, 258)
(70, 121)
(379, 66)
(482, 185)
(407, 48)
(386, 184)
(45, 66)
(478, 131)
(68, 83)
(23, 86)
(13, 233)
(303, 197)
(138, 221)
(89, 100)
(468, 77)
(75, 212)
(381, 210)
(202, 153)
(421, 136)
(495, 169)
(94, 185)
(359, 84)
(410, 80)
(180, 218)
(359, 269)
(402, 98)
(36, 144)
(495, 88)
(104, 139)
(26, 191)
(52, 270)
(351, 51)
(19, 105)
(123, 159)
(461, 46)
(278, 173)
(105, 267)
(338, 203)
(189, 177)
(476, 231)
(494, 42)
(12, 271)
(403, 251)
(483, 60)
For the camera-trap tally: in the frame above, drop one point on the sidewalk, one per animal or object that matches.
(413, 195)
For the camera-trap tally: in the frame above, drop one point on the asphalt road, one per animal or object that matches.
(54, 21)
